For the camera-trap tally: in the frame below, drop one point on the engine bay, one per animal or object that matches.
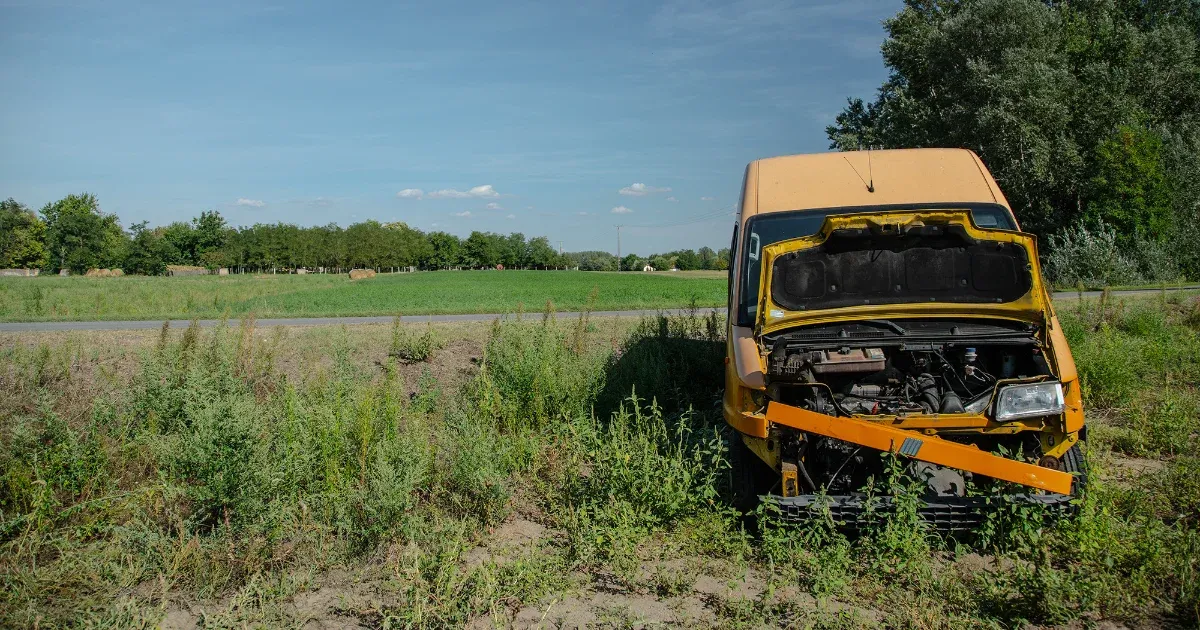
(886, 367)
(881, 368)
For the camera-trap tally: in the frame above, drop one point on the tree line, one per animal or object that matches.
(1086, 111)
(73, 233)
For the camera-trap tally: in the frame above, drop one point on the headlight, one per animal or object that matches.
(1027, 401)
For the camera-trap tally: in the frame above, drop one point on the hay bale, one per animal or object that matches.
(64, 272)
(116, 273)
(301, 272)
(186, 270)
(97, 273)
(223, 271)
(360, 274)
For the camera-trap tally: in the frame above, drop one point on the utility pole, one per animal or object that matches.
(560, 248)
(619, 246)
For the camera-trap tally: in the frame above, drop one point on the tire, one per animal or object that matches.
(750, 476)
(1075, 464)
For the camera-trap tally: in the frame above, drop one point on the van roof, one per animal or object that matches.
(839, 179)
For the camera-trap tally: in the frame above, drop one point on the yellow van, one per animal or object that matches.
(887, 302)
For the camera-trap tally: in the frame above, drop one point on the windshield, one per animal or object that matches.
(768, 229)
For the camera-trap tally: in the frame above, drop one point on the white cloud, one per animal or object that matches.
(672, 199)
(706, 199)
(411, 193)
(581, 213)
(485, 190)
(621, 210)
(638, 189)
(511, 216)
(252, 203)
(464, 213)
(494, 206)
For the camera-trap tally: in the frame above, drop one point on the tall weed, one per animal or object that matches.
(637, 473)
(531, 375)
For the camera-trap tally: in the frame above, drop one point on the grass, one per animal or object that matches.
(240, 477)
(425, 293)
(1182, 284)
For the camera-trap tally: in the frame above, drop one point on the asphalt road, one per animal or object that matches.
(476, 317)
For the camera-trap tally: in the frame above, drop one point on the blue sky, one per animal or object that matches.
(537, 117)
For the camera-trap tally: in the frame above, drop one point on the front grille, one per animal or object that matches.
(949, 514)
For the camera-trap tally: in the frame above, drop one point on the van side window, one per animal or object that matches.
(732, 259)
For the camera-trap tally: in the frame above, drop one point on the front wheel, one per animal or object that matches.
(750, 476)
(1074, 463)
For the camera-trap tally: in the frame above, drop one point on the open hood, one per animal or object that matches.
(909, 263)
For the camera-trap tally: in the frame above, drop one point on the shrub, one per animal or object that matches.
(477, 465)
(1157, 261)
(675, 361)
(531, 375)
(219, 462)
(639, 472)
(1089, 255)
(413, 348)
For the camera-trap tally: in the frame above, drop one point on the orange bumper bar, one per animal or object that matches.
(918, 446)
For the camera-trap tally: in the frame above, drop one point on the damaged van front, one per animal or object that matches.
(922, 330)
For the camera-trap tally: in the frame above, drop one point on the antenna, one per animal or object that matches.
(870, 172)
(619, 246)
(870, 186)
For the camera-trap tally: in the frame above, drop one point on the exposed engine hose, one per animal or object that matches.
(804, 471)
(951, 403)
(927, 389)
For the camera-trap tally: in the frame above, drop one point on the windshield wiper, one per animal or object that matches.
(887, 323)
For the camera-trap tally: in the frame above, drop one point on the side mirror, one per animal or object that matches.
(755, 247)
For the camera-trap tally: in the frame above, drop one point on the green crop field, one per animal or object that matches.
(425, 293)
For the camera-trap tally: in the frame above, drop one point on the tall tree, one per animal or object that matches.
(513, 251)
(1042, 90)
(147, 252)
(446, 250)
(79, 236)
(179, 241)
(22, 237)
(541, 253)
(211, 234)
(483, 249)
(722, 259)
(686, 260)
(1130, 189)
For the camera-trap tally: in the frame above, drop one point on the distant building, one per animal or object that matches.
(647, 268)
